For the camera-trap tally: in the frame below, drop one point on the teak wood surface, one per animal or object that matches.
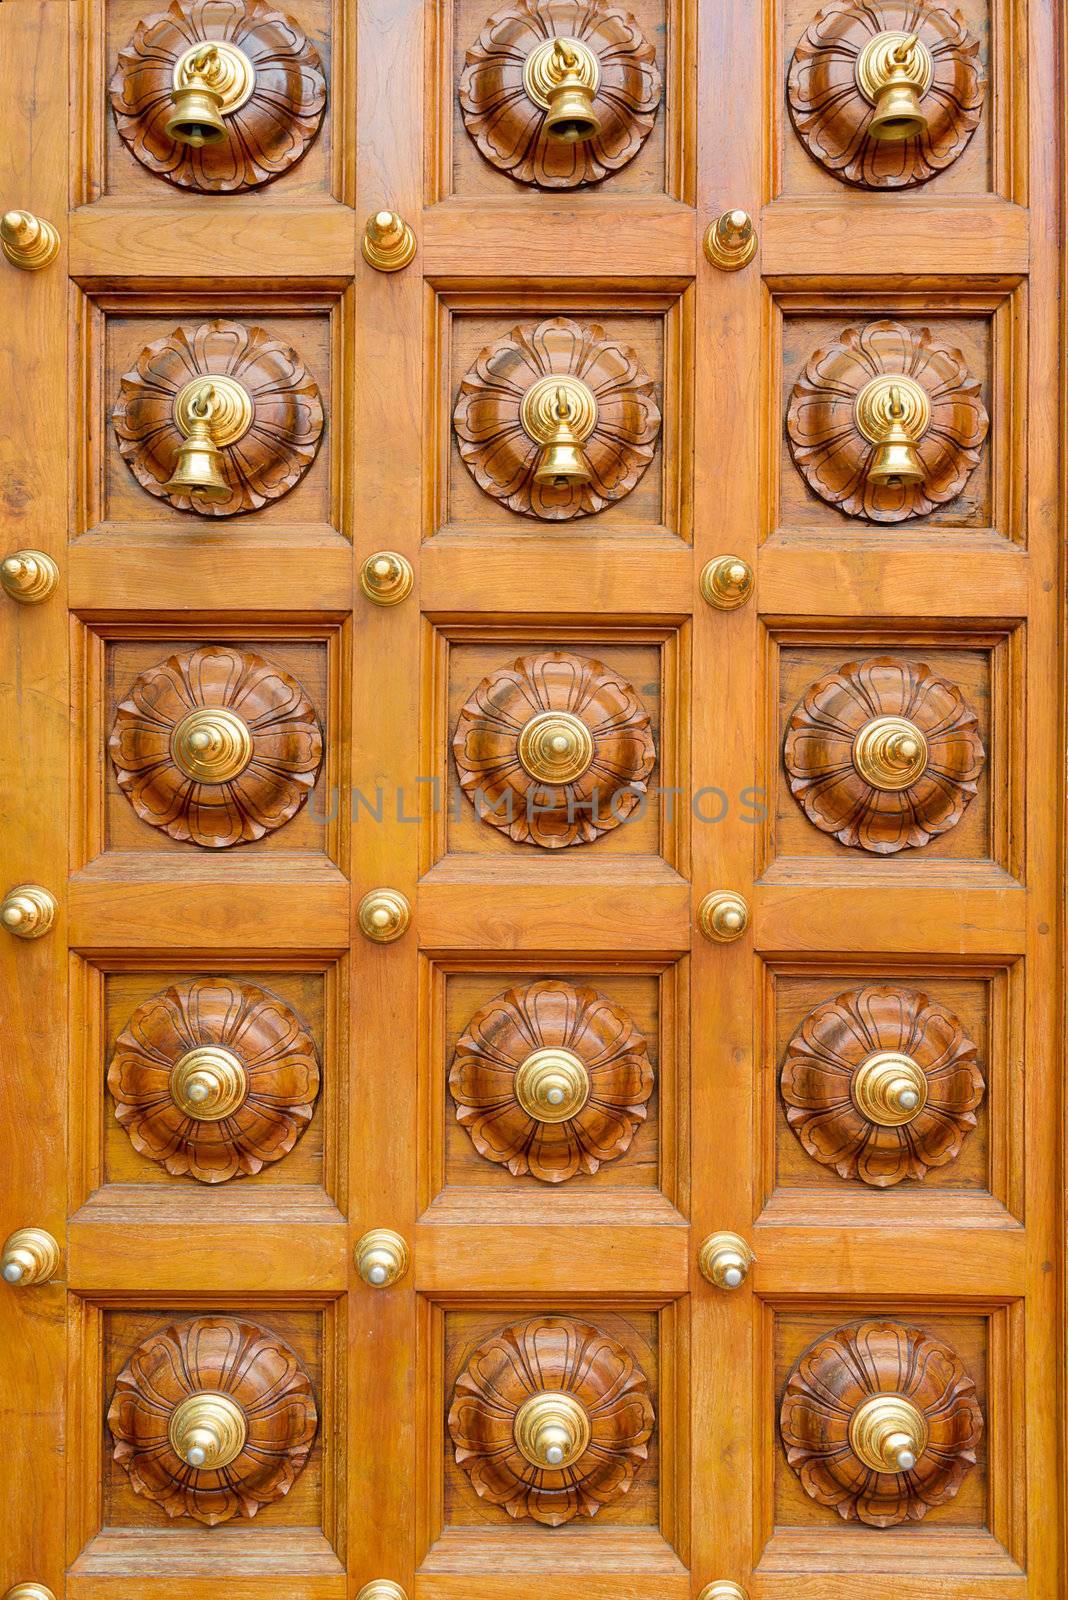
(971, 1255)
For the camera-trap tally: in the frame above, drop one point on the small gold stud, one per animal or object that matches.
(388, 242)
(29, 1591)
(386, 578)
(28, 911)
(28, 242)
(725, 1259)
(30, 1255)
(382, 1589)
(383, 915)
(727, 582)
(730, 241)
(723, 1589)
(382, 1258)
(723, 916)
(29, 576)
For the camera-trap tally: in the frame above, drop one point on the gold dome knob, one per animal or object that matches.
(888, 1433)
(730, 241)
(551, 1429)
(29, 576)
(382, 1258)
(893, 71)
(212, 745)
(207, 1430)
(30, 1255)
(29, 1591)
(893, 413)
(890, 753)
(727, 582)
(559, 412)
(28, 911)
(28, 242)
(555, 747)
(388, 242)
(208, 1083)
(725, 1259)
(723, 916)
(386, 578)
(889, 1088)
(723, 1589)
(552, 1085)
(562, 77)
(212, 79)
(383, 915)
(382, 1589)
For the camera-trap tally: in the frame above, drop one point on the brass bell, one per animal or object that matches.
(896, 460)
(894, 70)
(561, 459)
(198, 469)
(197, 115)
(571, 116)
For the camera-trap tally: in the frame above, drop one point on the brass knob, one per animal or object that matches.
(28, 911)
(730, 241)
(723, 1589)
(207, 1431)
(29, 1591)
(893, 71)
(727, 582)
(382, 1258)
(208, 1083)
(725, 1259)
(29, 576)
(893, 413)
(212, 745)
(723, 916)
(559, 412)
(889, 1088)
(28, 242)
(212, 79)
(888, 1433)
(562, 77)
(555, 747)
(382, 1589)
(383, 915)
(551, 1085)
(551, 1429)
(210, 414)
(388, 242)
(890, 753)
(386, 578)
(30, 1255)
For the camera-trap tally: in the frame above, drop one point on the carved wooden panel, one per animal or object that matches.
(840, 462)
(513, 130)
(551, 1383)
(263, 463)
(833, 116)
(267, 1426)
(883, 754)
(881, 1084)
(216, 746)
(551, 1079)
(611, 418)
(265, 135)
(214, 1079)
(554, 750)
(823, 1412)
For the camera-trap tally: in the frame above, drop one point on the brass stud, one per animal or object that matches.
(551, 1430)
(382, 1258)
(725, 1259)
(382, 1589)
(212, 744)
(888, 1433)
(29, 576)
(555, 747)
(723, 1589)
(551, 1085)
(386, 578)
(28, 242)
(30, 1255)
(727, 582)
(29, 1591)
(388, 242)
(383, 915)
(889, 1088)
(207, 1431)
(893, 71)
(561, 76)
(28, 911)
(723, 916)
(730, 241)
(208, 1083)
(890, 753)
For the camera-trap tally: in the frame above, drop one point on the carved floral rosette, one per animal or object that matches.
(258, 1371)
(502, 457)
(837, 1374)
(270, 1042)
(509, 127)
(833, 455)
(267, 461)
(832, 116)
(836, 1039)
(541, 1016)
(485, 748)
(818, 755)
(265, 137)
(559, 1354)
(287, 746)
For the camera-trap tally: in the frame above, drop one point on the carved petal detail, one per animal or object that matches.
(509, 127)
(502, 457)
(287, 422)
(269, 1040)
(843, 1369)
(265, 137)
(486, 750)
(832, 116)
(287, 746)
(818, 755)
(544, 1354)
(836, 1039)
(220, 1355)
(833, 455)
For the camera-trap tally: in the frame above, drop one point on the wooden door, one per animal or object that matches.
(537, 1057)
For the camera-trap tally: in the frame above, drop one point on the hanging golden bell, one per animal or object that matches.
(562, 76)
(210, 413)
(197, 115)
(893, 71)
(893, 413)
(198, 469)
(559, 413)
